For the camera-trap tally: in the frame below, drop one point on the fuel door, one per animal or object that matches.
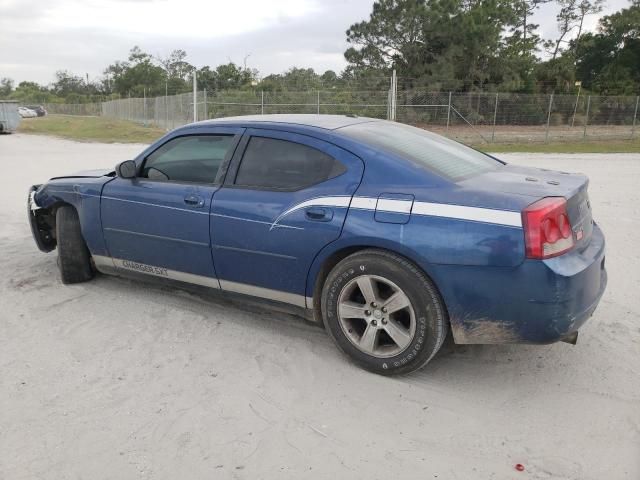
(394, 208)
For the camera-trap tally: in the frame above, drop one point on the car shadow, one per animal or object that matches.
(452, 364)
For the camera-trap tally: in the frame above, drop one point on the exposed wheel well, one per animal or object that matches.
(46, 222)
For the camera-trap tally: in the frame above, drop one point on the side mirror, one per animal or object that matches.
(126, 169)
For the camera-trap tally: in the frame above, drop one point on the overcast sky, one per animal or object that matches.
(38, 37)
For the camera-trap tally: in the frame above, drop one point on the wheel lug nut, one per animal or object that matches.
(374, 323)
(367, 312)
(384, 321)
(384, 309)
(374, 304)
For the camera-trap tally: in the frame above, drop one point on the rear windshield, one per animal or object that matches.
(439, 154)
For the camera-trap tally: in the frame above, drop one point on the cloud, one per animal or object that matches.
(84, 36)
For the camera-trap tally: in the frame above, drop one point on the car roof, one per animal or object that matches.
(328, 122)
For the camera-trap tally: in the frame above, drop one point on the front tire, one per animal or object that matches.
(74, 260)
(383, 312)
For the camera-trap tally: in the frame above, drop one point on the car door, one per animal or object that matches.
(158, 222)
(285, 197)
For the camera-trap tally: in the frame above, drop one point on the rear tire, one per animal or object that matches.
(74, 260)
(384, 312)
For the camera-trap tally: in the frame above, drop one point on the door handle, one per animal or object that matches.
(319, 214)
(194, 201)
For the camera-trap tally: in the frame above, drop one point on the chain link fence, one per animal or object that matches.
(468, 117)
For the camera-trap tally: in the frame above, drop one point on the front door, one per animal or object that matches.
(158, 223)
(285, 197)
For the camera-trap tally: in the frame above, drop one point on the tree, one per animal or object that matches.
(587, 7)
(137, 76)
(440, 40)
(524, 32)
(31, 92)
(67, 83)
(6, 86)
(571, 16)
(177, 70)
(393, 37)
(567, 18)
(227, 76)
(609, 61)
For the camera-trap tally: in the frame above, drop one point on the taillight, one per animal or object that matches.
(547, 229)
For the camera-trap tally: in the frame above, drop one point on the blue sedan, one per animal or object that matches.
(388, 235)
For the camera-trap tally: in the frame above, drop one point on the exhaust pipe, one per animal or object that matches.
(572, 338)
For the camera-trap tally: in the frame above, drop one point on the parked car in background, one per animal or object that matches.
(39, 109)
(27, 112)
(387, 234)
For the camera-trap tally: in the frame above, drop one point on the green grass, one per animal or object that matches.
(589, 146)
(90, 129)
(100, 129)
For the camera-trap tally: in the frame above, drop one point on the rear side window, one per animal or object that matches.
(273, 164)
(188, 159)
(439, 154)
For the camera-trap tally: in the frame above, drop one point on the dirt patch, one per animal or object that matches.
(119, 379)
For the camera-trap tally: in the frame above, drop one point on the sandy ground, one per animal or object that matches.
(118, 380)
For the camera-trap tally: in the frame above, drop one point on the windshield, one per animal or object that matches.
(435, 152)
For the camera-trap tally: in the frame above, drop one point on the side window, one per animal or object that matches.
(188, 159)
(270, 163)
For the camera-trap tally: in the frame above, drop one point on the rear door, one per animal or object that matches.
(158, 222)
(285, 197)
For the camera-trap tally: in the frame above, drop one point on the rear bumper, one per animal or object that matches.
(536, 302)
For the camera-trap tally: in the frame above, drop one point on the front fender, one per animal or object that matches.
(84, 195)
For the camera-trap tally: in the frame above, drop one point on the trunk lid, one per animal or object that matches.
(538, 183)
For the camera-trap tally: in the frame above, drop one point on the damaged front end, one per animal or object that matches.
(42, 222)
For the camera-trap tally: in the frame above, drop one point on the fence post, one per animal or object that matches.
(195, 97)
(546, 136)
(586, 118)
(204, 103)
(394, 94)
(449, 112)
(144, 106)
(262, 102)
(318, 110)
(635, 115)
(495, 116)
(166, 105)
(575, 107)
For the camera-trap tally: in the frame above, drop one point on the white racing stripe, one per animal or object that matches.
(394, 206)
(475, 214)
(338, 201)
(364, 203)
(459, 212)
